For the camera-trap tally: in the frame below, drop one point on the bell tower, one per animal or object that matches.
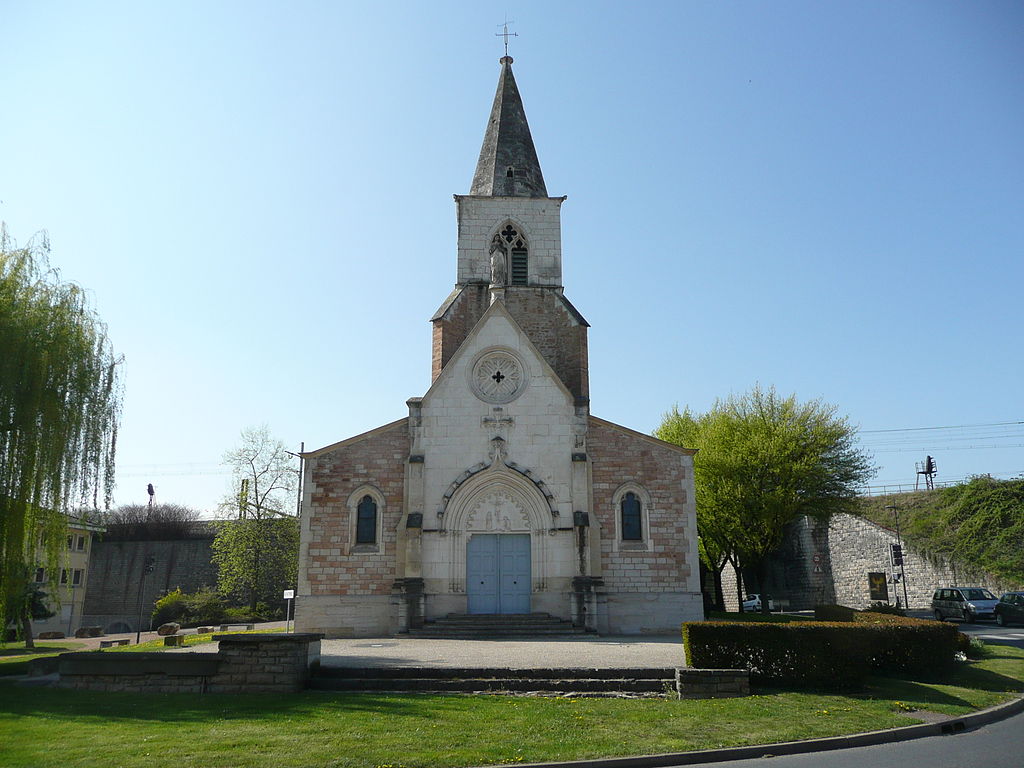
(510, 248)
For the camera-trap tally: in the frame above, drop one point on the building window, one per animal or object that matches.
(519, 265)
(80, 543)
(63, 575)
(366, 521)
(632, 518)
(76, 577)
(71, 542)
(40, 575)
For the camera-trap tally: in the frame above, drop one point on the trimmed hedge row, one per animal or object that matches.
(820, 654)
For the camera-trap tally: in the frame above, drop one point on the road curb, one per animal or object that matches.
(870, 738)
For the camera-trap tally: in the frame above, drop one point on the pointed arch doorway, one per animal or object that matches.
(498, 571)
(497, 550)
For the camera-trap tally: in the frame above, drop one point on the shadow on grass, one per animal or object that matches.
(6, 652)
(59, 704)
(921, 694)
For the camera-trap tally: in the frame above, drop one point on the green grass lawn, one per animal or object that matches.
(158, 643)
(326, 729)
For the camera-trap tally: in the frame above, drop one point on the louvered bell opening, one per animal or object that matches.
(519, 266)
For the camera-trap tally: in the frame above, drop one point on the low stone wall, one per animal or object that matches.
(271, 663)
(712, 683)
(265, 663)
(149, 672)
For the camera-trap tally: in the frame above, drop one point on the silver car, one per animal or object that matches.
(965, 603)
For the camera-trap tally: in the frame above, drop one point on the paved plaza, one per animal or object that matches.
(596, 652)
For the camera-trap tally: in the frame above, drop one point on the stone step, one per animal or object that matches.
(506, 673)
(493, 685)
(488, 626)
(493, 634)
(585, 681)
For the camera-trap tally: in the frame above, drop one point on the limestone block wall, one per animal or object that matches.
(712, 683)
(857, 547)
(537, 219)
(333, 569)
(453, 322)
(453, 435)
(654, 584)
(821, 562)
(558, 332)
(277, 663)
(116, 575)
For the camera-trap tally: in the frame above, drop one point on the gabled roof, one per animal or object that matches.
(355, 439)
(498, 308)
(508, 165)
(642, 436)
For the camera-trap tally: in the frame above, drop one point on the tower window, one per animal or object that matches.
(519, 263)
(510, 172)
(366, 521)
(631, 520)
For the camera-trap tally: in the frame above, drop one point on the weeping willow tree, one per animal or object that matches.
(60, 401)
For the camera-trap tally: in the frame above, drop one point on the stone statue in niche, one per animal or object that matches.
(499, 450)
(499, 263)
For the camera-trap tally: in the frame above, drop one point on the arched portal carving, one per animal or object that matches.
(497, 500)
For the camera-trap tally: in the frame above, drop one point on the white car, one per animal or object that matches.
(753, 603)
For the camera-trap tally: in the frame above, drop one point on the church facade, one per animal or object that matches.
(499, 492)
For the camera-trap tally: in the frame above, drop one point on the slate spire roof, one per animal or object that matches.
(508, 165)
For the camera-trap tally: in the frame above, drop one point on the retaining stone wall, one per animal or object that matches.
(712, 683)
(243, 664)
(115, 575)
(821, 562)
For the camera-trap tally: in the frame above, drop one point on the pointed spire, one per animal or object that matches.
(508, 165)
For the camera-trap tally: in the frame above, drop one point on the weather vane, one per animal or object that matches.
(506, 34)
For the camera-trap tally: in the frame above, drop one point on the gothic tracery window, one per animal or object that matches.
(518, 255)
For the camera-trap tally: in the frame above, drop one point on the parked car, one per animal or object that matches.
(1010, 609)
(753, 603)
(965, 603)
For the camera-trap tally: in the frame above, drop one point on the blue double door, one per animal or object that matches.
(498, 573)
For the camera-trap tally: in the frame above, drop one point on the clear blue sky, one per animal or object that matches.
(823, 197)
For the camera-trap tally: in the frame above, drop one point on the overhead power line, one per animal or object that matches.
(958, 426)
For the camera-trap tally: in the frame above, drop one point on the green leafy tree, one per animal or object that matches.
(60, 401)
(257, 553)
(763, 462)
(257, 559)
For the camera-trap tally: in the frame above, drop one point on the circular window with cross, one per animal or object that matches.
(498, 376)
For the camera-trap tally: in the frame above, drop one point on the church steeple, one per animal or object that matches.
(508, 165)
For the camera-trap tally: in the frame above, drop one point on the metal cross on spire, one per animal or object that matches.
(505, 33)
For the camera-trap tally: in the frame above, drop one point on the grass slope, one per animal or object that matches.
(980, 522)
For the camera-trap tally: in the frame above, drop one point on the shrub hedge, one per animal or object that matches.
(822, 654)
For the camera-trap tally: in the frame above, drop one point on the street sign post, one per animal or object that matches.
(289, 596)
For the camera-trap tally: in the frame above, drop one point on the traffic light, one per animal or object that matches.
(897, 554)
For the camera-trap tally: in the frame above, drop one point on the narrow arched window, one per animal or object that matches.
(519, 263)
(632, 529)
(366, 521)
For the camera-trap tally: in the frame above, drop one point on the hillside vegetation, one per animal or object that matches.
(980, 522)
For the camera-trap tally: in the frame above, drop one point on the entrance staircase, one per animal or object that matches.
(457, 626)
(544, 682)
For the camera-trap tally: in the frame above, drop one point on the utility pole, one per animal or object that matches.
(146, 570)
(898, 558)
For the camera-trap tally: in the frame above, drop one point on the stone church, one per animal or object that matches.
(500, 493)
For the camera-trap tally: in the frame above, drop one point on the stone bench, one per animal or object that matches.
(226, 627)
(116, 641)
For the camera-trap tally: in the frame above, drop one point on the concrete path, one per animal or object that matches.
(597, 652)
